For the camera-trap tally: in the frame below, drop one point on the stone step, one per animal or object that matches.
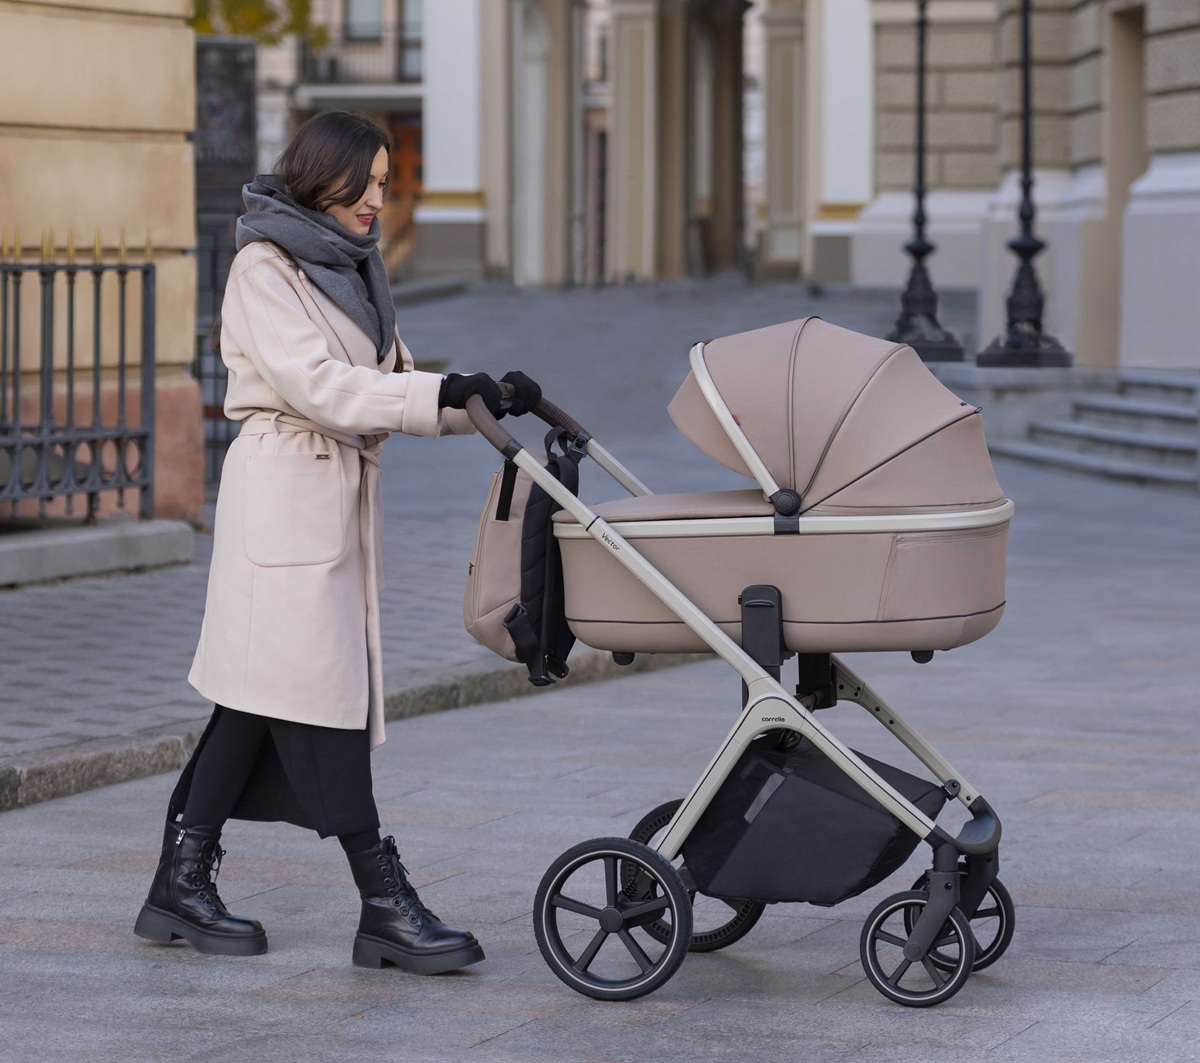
(1169, 387)
(1182, 480)
(1140, 415)
(1138, 447)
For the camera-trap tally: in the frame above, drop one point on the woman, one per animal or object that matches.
(290, 645)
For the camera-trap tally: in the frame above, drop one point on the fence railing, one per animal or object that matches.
(68, 342)
(215, 249)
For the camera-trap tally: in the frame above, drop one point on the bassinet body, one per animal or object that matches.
(899, 538)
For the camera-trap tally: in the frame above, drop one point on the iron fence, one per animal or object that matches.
(63, 432)
(215, 249)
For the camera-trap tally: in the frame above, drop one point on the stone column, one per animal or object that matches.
(1160, 311)
(727, 213)
(782, 238)
(843, 181)
(1051, 55)
(633, 137)
(961, 170)
(672, 145)
(496, 135)
(450, 217)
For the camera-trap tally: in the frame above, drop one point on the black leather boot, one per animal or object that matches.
(183, 900)
(396, 927)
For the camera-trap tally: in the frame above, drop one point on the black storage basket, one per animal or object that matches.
(790, 826)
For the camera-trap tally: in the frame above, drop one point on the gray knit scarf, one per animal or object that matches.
(346, 267)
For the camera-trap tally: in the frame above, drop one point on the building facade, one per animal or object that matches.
(589, 141)
(96, 114)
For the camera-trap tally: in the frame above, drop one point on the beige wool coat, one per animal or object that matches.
(291, 623)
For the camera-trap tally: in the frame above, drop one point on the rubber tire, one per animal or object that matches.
(555, 954)
(958, 976)
(1008, 918)
(745, 915)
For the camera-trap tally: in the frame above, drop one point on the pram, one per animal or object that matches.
(877, 525)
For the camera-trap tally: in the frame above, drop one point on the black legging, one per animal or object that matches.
(223, 768)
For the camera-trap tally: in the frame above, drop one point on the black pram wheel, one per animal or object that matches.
(915, 983)
(745, 913)
(591, 903)
(992, 924)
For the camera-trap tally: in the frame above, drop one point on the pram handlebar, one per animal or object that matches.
(500, 438)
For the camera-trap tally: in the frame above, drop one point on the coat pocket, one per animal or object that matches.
(293, 510)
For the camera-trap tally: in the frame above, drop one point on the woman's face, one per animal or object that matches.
(357, 217)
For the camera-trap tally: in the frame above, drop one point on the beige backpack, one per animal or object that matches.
(513, 599)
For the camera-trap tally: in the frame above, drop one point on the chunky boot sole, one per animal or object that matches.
(374, 952)
(153, 924)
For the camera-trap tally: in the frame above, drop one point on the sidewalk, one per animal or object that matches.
(1077, 718)
(93, 672)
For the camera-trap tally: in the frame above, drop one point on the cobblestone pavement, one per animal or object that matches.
(108, 657)
(1077, 718)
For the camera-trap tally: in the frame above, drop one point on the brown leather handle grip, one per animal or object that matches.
(499, 437)
(552, 415)
(489, 427)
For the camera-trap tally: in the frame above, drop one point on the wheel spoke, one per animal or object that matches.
(891, 939)
(898, 973)
(578, 907)
(646, 908)
(610, 880)
(589, 954)
(941, 943)
(938, 980)
(635, 950)
(987, 913)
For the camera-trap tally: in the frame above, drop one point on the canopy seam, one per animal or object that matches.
(893, 457)
(792, 396)
(831, 436)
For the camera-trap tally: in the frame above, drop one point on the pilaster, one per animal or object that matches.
(633, 137)
(450, 216)
(1160, 314)
(783, 235)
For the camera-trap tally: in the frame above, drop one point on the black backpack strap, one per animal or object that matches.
(507, 482)
(537, 623)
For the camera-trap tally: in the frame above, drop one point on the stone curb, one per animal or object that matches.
(40, 554)
(30, 778)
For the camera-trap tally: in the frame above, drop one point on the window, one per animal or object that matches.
(364, 20)
(410, 40)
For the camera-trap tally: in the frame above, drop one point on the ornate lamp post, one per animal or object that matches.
(1023, 342)
(917, 324)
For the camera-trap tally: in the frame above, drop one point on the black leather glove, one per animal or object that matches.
(527, 396)
(456, 389)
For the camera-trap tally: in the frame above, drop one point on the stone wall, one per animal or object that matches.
(961, 120)
(1173, 75)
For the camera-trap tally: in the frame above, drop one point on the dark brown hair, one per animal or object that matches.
(328, 162)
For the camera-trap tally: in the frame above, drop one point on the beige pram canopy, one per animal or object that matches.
(877, 513)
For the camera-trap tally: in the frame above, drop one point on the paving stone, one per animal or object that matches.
(1076, 718)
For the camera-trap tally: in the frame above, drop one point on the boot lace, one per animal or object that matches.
(204, 878)
(402, 893)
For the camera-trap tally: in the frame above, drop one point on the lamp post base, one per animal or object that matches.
(925, 336)
(1024, 348)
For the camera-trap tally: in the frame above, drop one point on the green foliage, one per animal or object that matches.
(267, 21)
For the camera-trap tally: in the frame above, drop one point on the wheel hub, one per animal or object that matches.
(611, 920)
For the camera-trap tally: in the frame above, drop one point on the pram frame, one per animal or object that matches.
(768, 705)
